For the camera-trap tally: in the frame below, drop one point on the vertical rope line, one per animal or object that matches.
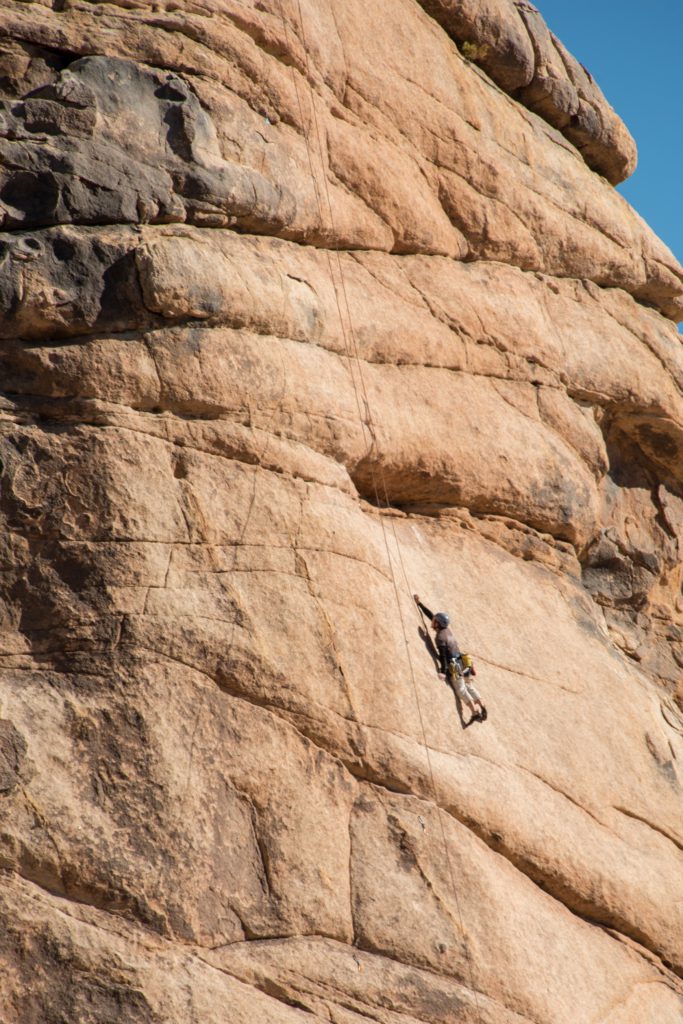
(319, 201)
(354, 348)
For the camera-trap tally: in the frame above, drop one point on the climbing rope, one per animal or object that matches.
(352, 352)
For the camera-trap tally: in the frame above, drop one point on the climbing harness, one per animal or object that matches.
(352, 352)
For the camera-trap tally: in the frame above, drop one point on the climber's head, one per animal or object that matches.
(440, 621)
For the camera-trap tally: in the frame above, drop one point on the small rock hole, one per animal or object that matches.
(63, 249)
(170, 91)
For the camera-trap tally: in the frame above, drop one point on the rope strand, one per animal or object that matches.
(352, 351)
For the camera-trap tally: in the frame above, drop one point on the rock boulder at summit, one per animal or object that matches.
(308, 306)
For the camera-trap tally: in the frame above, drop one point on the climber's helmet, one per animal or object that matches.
(440, 620)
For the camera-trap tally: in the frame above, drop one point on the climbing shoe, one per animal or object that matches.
(483, 715)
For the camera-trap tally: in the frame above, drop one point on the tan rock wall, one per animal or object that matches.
(303, 314)
(512, 43)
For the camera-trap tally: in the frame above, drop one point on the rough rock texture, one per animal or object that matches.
(511, 42)
(301, 314)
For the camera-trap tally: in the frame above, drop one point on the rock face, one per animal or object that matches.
(304, 311)
(511, 42)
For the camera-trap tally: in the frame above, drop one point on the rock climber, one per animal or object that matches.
(450, 657)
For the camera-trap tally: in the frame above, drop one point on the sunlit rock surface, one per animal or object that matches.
(308, 306)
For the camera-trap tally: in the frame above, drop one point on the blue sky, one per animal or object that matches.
(633, 50)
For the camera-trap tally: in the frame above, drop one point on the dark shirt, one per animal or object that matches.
(446, 644)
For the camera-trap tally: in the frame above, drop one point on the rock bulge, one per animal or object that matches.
(307, 306)
(511, 42)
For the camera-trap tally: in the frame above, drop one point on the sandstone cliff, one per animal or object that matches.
(309, 305)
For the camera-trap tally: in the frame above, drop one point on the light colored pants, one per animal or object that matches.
(464, 689)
